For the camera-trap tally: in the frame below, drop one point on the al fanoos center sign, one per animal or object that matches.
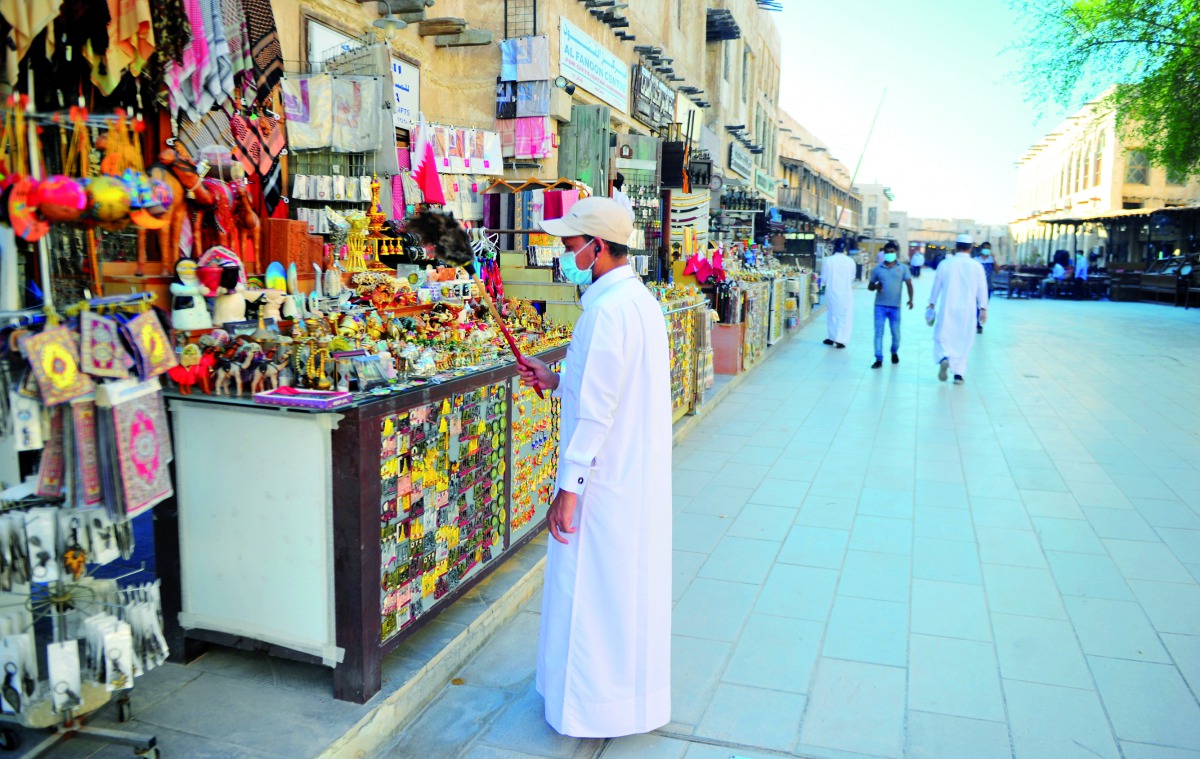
(588, 64)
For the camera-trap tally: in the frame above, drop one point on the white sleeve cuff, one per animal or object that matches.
(572, 477)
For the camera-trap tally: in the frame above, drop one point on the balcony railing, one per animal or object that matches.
(789, 199)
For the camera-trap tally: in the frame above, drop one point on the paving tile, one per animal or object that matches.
(827, 511)
(794, 469)
(1185, 652)
(763, 522)
(753, 716)
(814, 547)
(999, 512)
(509, 658)
(847, 696)
(1146, 751)
(999, 545)
(1038, 479)
(696, 667)
(775, 653)
(798, 592)
(949, 560)
(1100, 495)
(1070, 535)
(1142, 486)
(718, 500)
(690, 482)
(740, 560)
(1114, 628)
(941, 736)
(684, 567)
(886, 502)
(1080, 574)
(1171, 607)
(943, 523)
(778, 492)
(1022, 590)
(1040, 651)
(522, 726)
(1139, 560)
(713, 609)
(756, 455)
(944, 494)
(698, 533)
(1052, 721)
(992, 486)
(1039, 503)
(949, 610)
(1148, 703)
(170, 743)
(883, 576)
(866, 630)
(717, 751)
(956, 677)
(1166, 514)
(1122, 524)
(881, 535)
(1185, 543)
(451, 721)
(835, 483)
(641, 746)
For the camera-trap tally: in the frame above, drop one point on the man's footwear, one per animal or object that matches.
(979, 329)
(878, 363)
(958, 380)
(839, 345)
(943, 369)
(827, 341)
(895, 358)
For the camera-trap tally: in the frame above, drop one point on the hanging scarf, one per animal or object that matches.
(264, 46)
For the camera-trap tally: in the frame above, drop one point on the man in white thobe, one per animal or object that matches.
(604, 649)
(837, 274)
(961, 286)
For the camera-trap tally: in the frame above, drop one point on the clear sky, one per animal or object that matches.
(954, 120)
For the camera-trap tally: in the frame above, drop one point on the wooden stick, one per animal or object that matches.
(512, 344)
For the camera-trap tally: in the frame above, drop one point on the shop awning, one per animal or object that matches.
(1123, 213)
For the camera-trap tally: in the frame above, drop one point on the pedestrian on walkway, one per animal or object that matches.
(961, 287)
(886, 281)
(604, 649)
(916, 262)
(837, 274)
(989, 271)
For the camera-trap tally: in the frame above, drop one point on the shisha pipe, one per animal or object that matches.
(448, 242)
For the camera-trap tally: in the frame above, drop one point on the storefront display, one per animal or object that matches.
(758, 305)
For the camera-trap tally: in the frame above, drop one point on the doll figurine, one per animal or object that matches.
(189, 310)
(265, 303)
(230, 305)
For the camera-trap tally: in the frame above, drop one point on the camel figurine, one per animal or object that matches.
(231, 369)
(168, 236)
(192, 190)
(248, 228)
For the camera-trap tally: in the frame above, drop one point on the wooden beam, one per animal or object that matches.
(406, 6)
(435, 26)
(469, 37)
(411, 18)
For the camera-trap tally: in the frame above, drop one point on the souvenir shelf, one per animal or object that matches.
(758, 297)
(344, 531)
(777, 311)
(681, 333)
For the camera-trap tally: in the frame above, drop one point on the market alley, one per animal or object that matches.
(875, 563)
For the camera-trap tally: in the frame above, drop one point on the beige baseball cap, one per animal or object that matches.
(601, 218)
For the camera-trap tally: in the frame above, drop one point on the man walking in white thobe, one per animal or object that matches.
(837, 274)
(604, 650)
(961, 285)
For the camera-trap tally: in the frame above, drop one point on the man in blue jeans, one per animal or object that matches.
(886, 281)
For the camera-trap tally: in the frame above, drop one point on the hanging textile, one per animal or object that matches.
(533, 98)
(26, 20)
(233, 16)
(508, 59)
(172, 30)
(506, 99)
(264, 46)
(533, 137)
(507, 130)
(131, 43)
(217, 78)
(183, 78)
(308, 105)
(356, 114)
(533, 58)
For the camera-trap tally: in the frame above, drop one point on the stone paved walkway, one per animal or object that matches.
(874, 563)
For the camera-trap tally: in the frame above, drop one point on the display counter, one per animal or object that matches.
(757, 321)
(331, 536)
(681, 316)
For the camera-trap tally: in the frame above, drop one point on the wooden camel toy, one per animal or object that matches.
(248, 228)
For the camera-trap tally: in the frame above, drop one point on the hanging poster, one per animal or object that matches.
(590, 65)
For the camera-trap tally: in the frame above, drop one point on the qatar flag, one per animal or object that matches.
(425, 168)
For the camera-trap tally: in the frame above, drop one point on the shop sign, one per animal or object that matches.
(653, 100)
(406, 94)
(740, 159)
(764, 183)
(588, 64)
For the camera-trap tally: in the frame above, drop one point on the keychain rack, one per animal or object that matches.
(55, 601)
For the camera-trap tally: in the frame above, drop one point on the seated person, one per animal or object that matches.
(1058, 274)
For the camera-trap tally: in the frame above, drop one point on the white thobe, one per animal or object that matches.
(837, 272)
(961, 284)
(604, 650)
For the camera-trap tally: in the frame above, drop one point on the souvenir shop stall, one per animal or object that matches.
(169, 331)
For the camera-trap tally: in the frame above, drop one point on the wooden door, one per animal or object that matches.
(583, 147)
